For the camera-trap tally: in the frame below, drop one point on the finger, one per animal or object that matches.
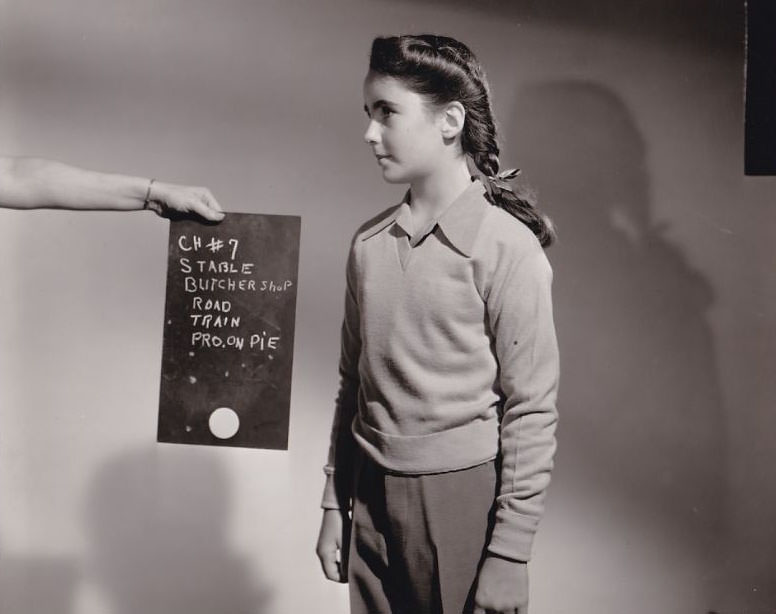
(342, 573)
(202, 209)
(211, 201)
(330, 566)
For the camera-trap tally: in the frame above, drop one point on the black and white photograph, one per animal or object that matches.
(387, 307)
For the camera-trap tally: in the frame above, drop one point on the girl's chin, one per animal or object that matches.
(392, 175)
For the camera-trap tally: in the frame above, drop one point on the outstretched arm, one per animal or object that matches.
(35, 183)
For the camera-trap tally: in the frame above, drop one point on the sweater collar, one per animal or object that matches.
(459, 222)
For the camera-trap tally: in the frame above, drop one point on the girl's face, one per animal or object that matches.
(404, 131)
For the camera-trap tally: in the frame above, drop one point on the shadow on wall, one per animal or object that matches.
(641, 439)
(711, 25)
(37, 585)
(157, 520)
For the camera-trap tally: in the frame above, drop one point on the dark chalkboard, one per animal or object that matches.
(229, 331)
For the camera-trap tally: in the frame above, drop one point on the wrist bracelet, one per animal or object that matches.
(147, 200)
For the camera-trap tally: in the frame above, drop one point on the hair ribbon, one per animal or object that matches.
(501, 181)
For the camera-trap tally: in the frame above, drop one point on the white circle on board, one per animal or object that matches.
(224, 423)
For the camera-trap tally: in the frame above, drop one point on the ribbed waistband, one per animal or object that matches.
(457, 448)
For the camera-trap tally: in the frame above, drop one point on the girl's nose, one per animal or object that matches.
(371, 134)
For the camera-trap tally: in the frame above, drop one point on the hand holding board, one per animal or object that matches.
(229, 331)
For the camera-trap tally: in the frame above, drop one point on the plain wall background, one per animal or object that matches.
(627, 120)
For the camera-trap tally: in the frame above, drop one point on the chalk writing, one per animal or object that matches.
(213, 266)
(238, 279)
(207, 340)
(191, 243)
(208, 321)
(215, 245)
(273, 286)
(211, 284)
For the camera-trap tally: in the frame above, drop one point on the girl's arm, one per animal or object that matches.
(520, 313)
(34, 183)
(339, 466)
(335, 524)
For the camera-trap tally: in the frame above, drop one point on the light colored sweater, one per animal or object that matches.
(449, 357)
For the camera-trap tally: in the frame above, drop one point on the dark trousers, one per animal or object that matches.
(418, 540)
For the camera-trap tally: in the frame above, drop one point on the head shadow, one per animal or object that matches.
(642, 421)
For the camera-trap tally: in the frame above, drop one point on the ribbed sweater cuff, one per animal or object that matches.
(513, 535)
(329, 500)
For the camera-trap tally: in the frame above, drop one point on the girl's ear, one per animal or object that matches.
(453, 116)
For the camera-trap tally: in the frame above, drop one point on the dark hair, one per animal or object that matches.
(445, 70)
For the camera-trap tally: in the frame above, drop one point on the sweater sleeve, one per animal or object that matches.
(520, 315)
(339, 465)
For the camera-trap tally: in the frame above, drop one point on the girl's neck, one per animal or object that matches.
(433, 193)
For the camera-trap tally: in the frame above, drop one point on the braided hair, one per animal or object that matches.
(445, 70)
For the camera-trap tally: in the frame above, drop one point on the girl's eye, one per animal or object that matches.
(386, 112)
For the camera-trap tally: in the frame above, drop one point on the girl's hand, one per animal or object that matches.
(502, 587)
(334, 525)
(166, 197)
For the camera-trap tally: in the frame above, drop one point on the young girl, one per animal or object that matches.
(449, 366)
